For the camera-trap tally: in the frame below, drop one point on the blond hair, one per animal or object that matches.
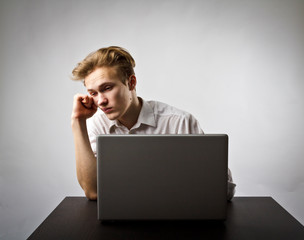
(106, 57)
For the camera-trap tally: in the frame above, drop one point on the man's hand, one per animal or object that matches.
(83, 107)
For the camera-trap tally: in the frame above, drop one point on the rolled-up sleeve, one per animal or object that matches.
(231, 186)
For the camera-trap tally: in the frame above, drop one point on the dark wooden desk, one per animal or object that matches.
(248, 218)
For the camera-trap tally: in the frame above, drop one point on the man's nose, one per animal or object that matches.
(102, 100)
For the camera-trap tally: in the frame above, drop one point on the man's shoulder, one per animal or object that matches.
(164, 109)
(173, 119)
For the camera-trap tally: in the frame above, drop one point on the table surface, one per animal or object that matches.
(247, 218)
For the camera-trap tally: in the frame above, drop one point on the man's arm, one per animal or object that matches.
(83, 108)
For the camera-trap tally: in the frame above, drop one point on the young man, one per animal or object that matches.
(109, 78)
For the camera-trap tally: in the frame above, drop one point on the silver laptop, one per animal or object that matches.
(162, 177)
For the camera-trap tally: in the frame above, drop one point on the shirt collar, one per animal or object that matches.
(146, 116)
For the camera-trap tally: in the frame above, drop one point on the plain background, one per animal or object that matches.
(237, 66)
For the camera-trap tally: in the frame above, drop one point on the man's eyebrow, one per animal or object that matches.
(101, 86)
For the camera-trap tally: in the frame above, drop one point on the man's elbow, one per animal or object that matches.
(89, 190)
(91, 195)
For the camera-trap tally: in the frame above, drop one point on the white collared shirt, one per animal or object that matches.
(154, 118)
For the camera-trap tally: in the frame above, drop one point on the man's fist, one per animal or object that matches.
(83, 106)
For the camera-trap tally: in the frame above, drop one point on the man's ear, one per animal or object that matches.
(132, 82)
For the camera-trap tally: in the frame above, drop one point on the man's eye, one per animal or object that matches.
(92, 93)
(108, 88)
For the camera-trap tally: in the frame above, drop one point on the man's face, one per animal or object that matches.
(108, 92)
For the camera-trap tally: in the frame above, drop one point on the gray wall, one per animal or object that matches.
(236, 65)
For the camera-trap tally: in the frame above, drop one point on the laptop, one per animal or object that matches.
(162, 177)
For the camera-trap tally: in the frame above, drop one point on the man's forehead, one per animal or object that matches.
(102, 73)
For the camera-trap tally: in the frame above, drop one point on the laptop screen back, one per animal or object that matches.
(162, 177)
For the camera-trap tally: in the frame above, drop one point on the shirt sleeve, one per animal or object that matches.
(195, 127)
(92, 133)
(189, 125)
(231, 186)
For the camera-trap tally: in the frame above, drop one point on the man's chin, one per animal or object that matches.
(111, 117)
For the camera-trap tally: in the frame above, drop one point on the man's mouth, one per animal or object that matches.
(107, 110)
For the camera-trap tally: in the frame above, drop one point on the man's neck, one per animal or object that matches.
(131, 116)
